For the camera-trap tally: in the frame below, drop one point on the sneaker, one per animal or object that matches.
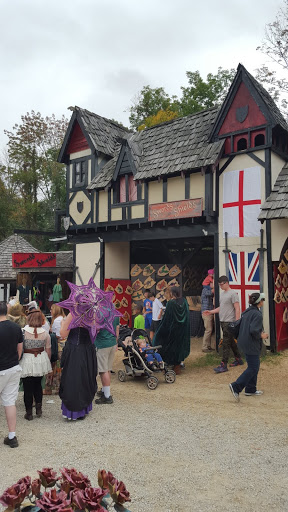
(257, 393)
(182, 366)
(13, 443)
(221, 368)
(236, 395)
(206, 350)
(237, 362)
(100, 393)
(104, 400)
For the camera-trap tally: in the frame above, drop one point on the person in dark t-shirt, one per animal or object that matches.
(11, 344)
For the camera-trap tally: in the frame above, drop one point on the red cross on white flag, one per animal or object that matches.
(241, 202)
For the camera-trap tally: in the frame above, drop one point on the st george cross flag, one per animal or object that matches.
(244, 275)
(241, 202)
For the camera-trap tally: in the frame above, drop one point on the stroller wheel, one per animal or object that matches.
(170, 376)
(152, 382)
(121, 375)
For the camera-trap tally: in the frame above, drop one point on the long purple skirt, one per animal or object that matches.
(74, 415)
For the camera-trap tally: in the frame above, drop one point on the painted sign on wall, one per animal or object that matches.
(176, 209)
(33, 259)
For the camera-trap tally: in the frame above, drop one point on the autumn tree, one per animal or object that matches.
(33, 172)
(275, 46)
(155, 106)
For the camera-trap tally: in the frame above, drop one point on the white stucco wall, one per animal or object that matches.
(117, 260)
(87, 255)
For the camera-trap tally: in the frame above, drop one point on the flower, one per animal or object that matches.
(104, 478)
(89, 498)
(26, 482)
(48, 477)
(53, 501)
(36, 486)
(73, 479)
(119, 493)
(14, 495)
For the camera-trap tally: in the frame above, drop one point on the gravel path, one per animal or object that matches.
(183, 447)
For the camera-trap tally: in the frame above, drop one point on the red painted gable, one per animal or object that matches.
(77, 141)
(254, 118)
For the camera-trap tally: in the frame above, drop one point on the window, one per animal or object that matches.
(241, 144)
(259, 140)
(127, 193)
(79, 173)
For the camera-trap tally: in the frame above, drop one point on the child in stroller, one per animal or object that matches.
(135, 344)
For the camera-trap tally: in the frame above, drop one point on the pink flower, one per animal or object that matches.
(104, 478)
(89, 498)
(26, 481)
(53, 501)
(73, 479)
(119, 493)
(48, 477)
(36, 486)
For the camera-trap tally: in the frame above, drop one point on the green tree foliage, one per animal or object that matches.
(275, 46)
(161, 117)
(33, 172)
(200, 94)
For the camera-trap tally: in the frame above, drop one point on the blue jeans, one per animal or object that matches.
(248, 379)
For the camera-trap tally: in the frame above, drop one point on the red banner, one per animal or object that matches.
(33, 259)
(176, 209)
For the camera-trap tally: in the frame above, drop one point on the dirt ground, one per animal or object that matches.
(186, 446)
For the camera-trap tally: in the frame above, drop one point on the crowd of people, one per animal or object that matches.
(31, 348)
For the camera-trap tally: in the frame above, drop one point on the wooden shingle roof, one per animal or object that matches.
(169, 148)
(103, 133)
(276, 205)
(14, 243)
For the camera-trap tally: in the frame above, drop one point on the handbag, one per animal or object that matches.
(234, 327)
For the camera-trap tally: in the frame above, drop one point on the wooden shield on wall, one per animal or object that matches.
(242, 113)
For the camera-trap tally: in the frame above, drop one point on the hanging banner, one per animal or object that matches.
(176, 209)
(241, 202)
(33, 259)
(244, 275)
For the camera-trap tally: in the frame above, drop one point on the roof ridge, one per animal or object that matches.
(115, 123)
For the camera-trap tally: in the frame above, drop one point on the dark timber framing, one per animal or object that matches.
(268, 184)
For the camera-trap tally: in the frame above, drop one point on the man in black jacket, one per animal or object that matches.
(11, 344)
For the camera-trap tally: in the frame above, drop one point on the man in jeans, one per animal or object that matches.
(206, 305)
(229, 311)
(11, 344)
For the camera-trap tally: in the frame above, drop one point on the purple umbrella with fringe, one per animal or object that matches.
(91, 308)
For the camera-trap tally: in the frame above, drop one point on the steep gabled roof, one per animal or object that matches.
(178, 145)
(14, 243)
(102, 134)
(262, 98)
(276, 205)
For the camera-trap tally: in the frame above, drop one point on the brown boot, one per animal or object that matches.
(38, 410)
(28, 416)
(177, 369)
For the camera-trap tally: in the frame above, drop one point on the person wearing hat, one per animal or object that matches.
(206, 305)
(250, 338)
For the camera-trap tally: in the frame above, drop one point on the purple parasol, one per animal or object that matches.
(90, 308)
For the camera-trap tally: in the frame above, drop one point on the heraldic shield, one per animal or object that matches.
(242, 113)
(80, 206)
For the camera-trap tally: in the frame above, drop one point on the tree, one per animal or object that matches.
(154, 106)
(33, 172)
(148, 103)
(161, 117)
(275, 46)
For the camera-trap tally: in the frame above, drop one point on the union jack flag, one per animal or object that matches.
(244, 275)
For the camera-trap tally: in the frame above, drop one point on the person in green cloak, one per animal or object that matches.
(174, 331)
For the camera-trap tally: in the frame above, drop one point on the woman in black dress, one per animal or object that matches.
(79, 370)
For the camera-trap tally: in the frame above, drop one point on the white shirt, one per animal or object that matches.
(56, 325)
(156, 308)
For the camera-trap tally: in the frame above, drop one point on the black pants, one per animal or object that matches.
(32, 389)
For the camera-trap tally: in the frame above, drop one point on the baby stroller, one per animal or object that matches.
(135, 363)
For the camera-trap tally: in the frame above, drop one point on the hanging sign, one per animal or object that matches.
(33, 259)
(176, 209)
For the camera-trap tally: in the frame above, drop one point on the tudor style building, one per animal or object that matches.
(171, 201)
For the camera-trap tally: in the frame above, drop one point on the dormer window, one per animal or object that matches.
(79, 173)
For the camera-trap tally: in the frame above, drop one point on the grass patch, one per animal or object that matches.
(207, 360)
(272, 357)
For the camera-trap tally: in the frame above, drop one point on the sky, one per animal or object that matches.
(98, 54)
